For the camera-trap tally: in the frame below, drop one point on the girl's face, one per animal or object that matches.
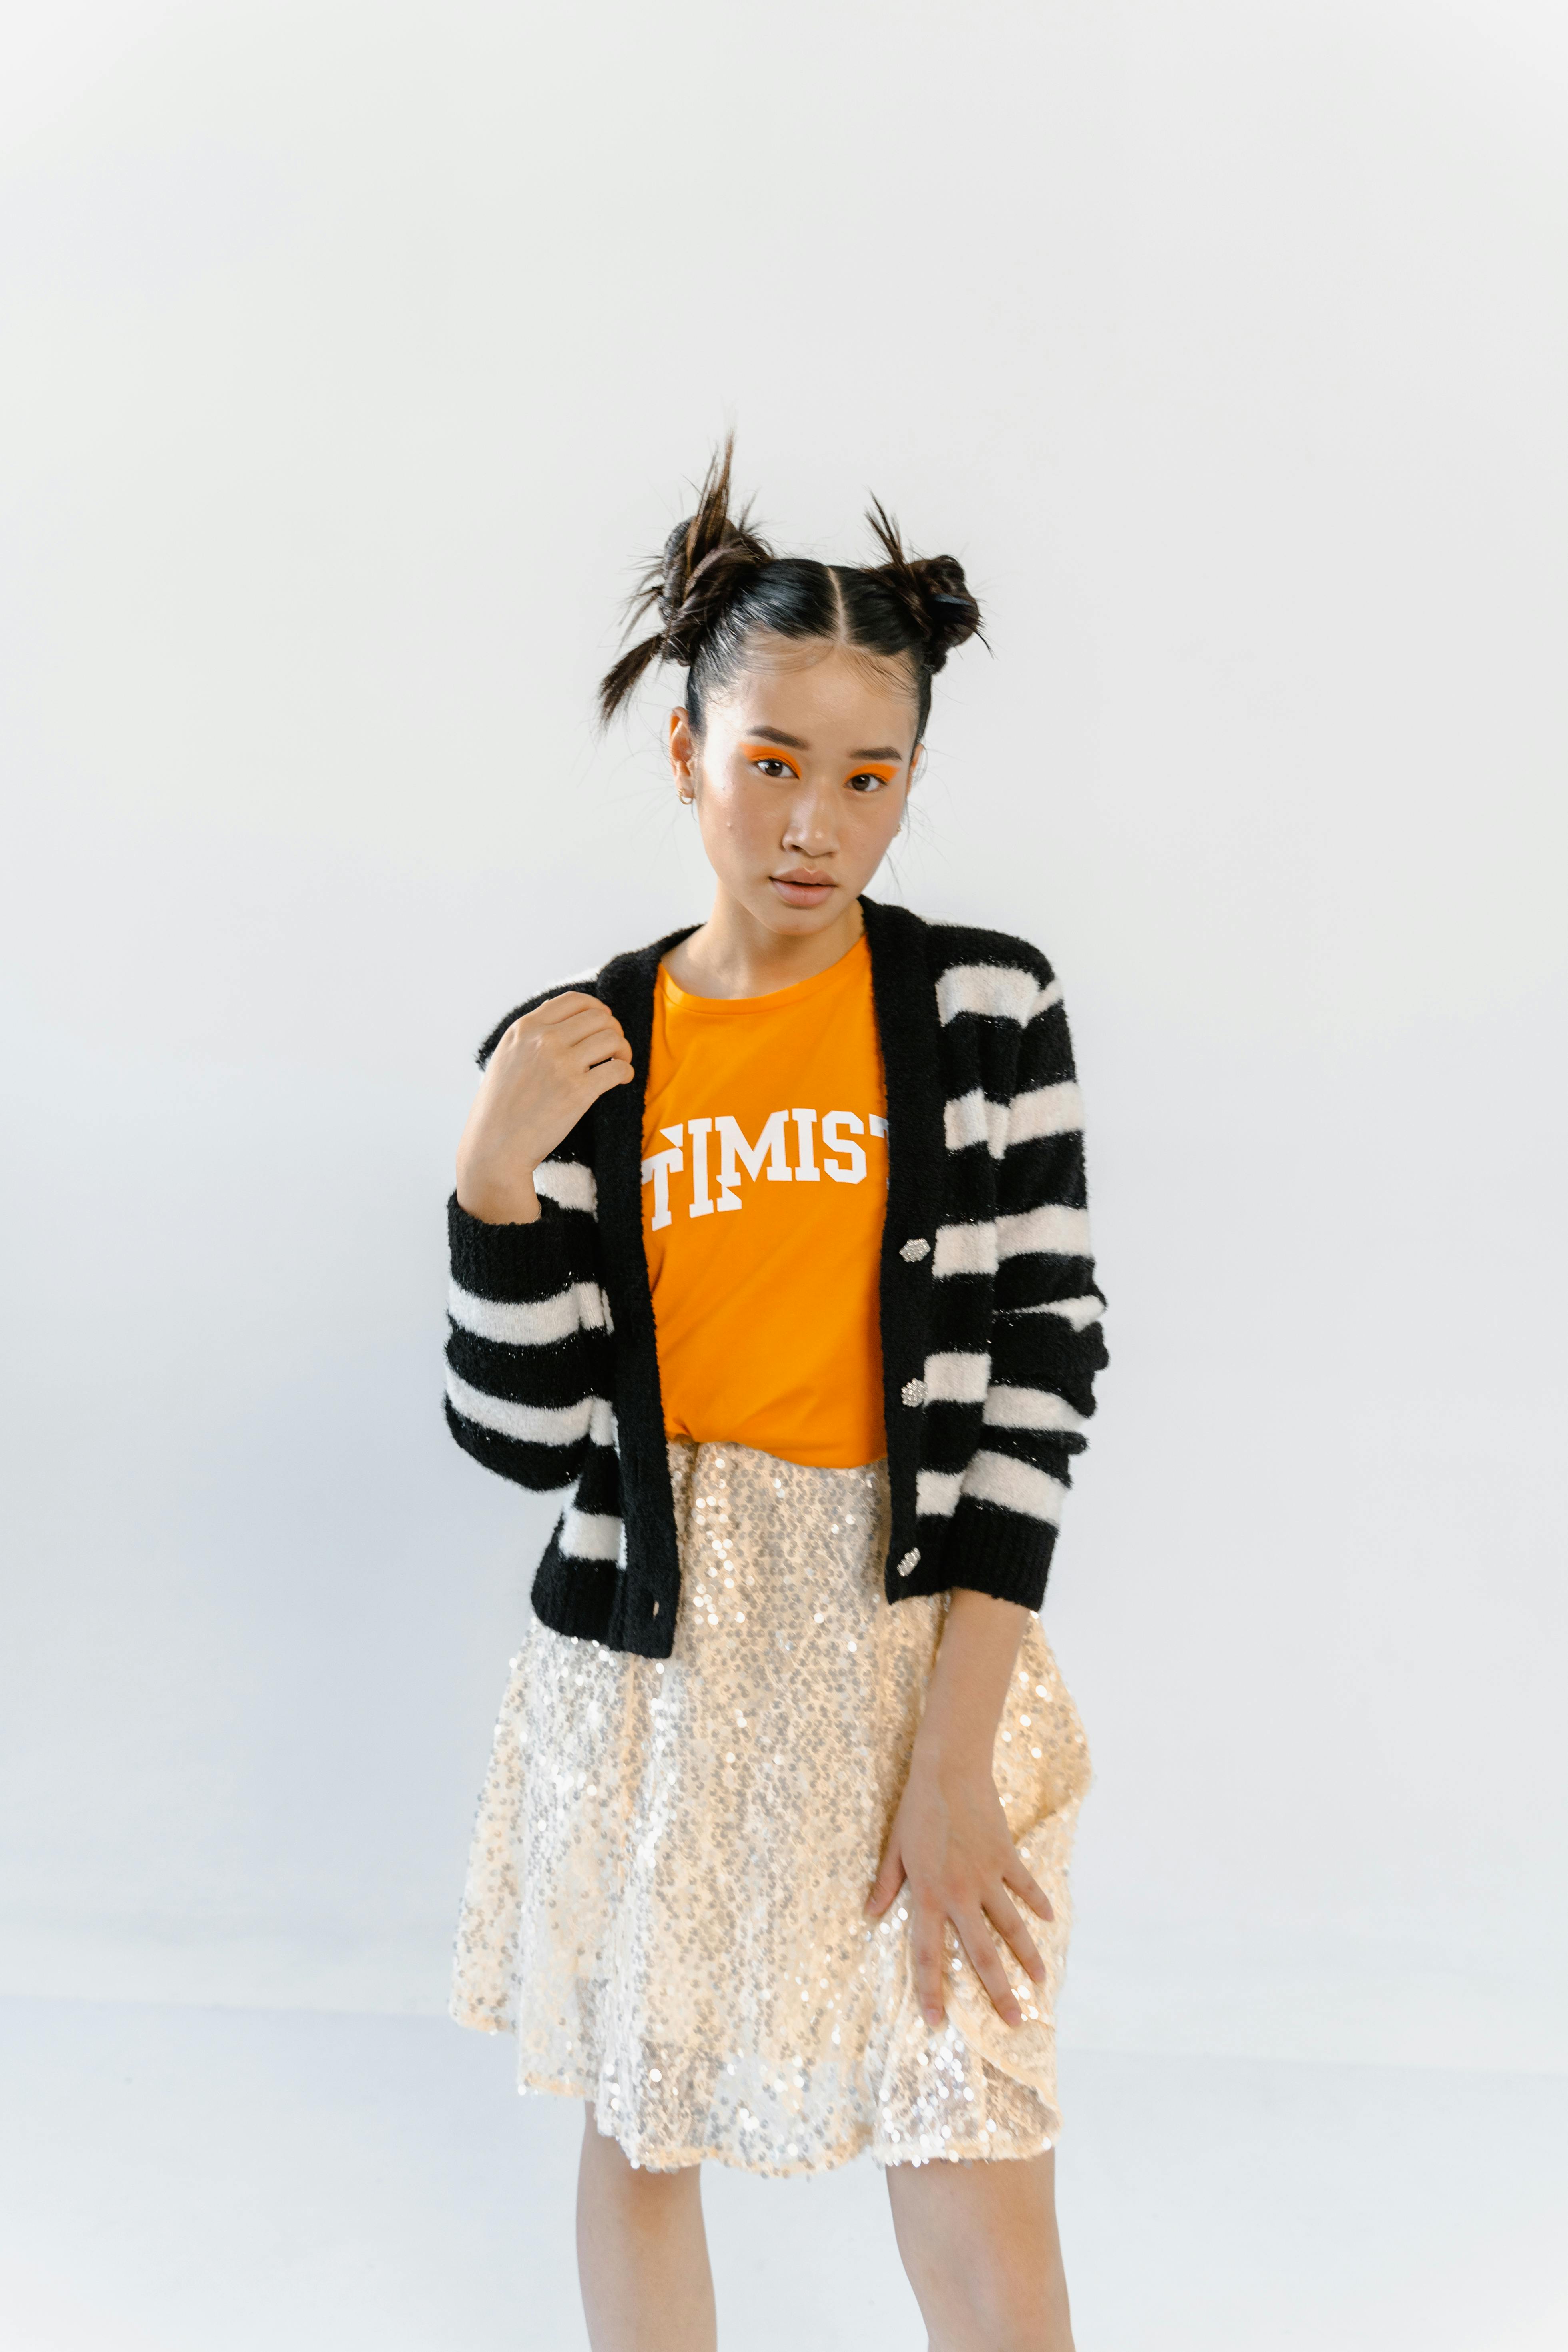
(801, 778)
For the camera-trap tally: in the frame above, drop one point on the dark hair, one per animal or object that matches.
(718, 584)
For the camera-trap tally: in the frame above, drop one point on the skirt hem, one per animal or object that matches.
(864, 2143)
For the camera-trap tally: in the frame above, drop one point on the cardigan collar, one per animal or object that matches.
(911, 1034)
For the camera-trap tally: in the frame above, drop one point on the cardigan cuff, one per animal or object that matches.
(509, 1261)
(999, 1552)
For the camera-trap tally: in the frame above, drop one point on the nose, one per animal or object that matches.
(810, 826)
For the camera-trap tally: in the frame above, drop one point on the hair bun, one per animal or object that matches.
(706, 561)
(931, 587)
(953, 615)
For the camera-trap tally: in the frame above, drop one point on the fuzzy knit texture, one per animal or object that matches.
(990, 1312)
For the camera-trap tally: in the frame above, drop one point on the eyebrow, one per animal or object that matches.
(798, 744)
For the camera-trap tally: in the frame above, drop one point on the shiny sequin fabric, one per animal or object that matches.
(669, 1867)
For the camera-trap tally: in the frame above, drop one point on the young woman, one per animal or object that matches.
(769, 1241)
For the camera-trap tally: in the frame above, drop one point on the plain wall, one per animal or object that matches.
(353, 358)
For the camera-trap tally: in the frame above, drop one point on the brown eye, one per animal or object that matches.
(774, 769)
(866, 782)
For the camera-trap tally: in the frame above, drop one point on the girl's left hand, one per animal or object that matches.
(952, 1847)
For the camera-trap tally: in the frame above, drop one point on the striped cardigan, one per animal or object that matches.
(990, 1316)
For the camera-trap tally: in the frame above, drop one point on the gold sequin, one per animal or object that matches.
(668, 1870)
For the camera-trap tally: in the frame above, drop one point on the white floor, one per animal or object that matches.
(219, 2180)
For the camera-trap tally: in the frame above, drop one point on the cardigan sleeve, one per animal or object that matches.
(527, 1384)
(1047, 1341)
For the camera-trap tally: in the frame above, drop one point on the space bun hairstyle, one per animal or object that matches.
(718, 585)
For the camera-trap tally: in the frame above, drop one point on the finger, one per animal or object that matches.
(581, 1029)
(576, 1055)
(607, 1074)
(888, 1880)
(571, 1001)
(534, 1036)
(1019, 1879)
(1007, 1923)
(987, 1961)
(926, 1946)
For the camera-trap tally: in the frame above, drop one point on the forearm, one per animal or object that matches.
(497, 1199)
(495, 1171)
(968, 1684)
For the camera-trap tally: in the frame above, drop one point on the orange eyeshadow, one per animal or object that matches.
(771, 752)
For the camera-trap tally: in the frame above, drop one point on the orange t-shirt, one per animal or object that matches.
(764, 1180)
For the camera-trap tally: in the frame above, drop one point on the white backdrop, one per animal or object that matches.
(353, 356)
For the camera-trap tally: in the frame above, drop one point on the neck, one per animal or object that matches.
(732, 954)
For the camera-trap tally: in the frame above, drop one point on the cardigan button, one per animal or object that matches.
(909, 1562)
(913, 1393)
(912, 1252)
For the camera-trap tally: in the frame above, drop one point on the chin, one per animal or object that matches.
(801, 921)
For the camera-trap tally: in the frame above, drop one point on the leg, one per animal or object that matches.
(642, 2257)
(980, 2249)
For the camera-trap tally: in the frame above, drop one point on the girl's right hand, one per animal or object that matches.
(546, 1071)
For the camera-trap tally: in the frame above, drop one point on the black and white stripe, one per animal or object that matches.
(990, 1312)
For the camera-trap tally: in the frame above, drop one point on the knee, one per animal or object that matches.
(1017, 2311)
(987, 2314)
(982, 2292)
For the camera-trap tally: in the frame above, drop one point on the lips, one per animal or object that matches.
(802, 886)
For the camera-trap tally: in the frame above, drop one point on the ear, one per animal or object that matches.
(682, 756)
(917, 767)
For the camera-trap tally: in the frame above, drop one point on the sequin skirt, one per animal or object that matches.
(665, 1889)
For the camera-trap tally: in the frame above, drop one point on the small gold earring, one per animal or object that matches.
(687, 799)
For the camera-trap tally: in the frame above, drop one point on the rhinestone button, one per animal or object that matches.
(909, 1562)
(912, 1252)
(913, 1393)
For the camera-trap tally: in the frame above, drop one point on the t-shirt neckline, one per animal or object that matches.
(778, 999)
